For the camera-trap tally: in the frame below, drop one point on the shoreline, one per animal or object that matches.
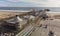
(14, 11)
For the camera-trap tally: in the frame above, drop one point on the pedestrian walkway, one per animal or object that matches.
(52, 25)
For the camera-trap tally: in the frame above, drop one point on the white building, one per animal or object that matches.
(15, 20)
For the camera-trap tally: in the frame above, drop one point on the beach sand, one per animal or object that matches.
(7, 14)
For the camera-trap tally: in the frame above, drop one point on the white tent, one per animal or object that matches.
(15, 20)
(26, 17)
(32, 17)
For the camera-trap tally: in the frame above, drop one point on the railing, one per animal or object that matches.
(27, 31)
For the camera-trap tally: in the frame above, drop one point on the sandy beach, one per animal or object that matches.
(6, 14)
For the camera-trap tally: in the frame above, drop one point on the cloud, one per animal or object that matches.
(35, 3)
(44, 3)
(3, 5)
(14, 0)
(31, 3)
(53, 3)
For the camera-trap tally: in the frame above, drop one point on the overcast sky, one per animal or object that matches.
(29, 3)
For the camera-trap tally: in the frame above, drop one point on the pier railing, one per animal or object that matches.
(27, 31)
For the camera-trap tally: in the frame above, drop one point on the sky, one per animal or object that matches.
(29, 3)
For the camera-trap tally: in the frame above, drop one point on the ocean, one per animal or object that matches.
(55, 9)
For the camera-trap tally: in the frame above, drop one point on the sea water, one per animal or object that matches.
(55, 9)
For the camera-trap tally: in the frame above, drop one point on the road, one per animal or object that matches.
(53, 25)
